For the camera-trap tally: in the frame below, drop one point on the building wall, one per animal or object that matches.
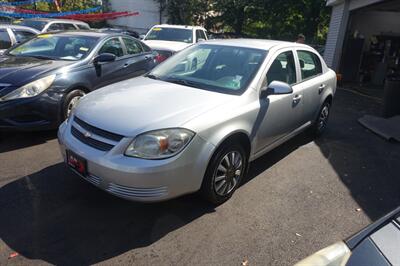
(337, 29)
(149, 14)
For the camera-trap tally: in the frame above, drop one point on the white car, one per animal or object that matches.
(169, 39)
(50, 24)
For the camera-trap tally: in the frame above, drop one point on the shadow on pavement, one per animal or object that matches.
(55, 216)
(368, 165)
(10, 141)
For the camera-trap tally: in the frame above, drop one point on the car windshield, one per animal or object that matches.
(36, 24)
(170, 34)
(226, 69)
(56, 47)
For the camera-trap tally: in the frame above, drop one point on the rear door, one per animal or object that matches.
(313, 82)
(137, 60)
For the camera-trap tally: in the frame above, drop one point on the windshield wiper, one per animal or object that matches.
(41, 57)
(151, 76)
(183, 82)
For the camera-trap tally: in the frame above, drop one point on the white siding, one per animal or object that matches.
(334, 41)
(149, 14)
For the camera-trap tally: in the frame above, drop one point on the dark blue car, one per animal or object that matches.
(42, 79)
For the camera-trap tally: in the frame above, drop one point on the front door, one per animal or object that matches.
(110, 72)
(280, 114)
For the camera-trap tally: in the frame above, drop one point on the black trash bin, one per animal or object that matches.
(391, 98)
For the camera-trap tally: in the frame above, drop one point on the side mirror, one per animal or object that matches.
(141, 36)
(104, 58)
(276, 88)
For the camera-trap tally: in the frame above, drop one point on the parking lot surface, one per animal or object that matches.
(299, 198)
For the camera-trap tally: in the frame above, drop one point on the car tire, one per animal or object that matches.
(71, 99)
(224, 173)
(321, 122)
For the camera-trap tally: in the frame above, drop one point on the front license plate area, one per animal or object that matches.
(77, 163)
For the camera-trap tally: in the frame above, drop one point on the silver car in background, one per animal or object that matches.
(196, 121)
(11, 35)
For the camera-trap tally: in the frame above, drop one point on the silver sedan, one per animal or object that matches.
(196, 121)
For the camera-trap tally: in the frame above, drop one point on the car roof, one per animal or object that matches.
(262, 44)
(90, 33)
(3, 26)
(178, 26)
(55, 20)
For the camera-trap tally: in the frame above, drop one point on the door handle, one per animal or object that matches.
(297, 98)
(147, 57)
(321, 88)
(126, 65)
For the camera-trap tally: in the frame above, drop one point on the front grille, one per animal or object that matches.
(93, 136)
(132, 192)
(98, 131)
(90, 141)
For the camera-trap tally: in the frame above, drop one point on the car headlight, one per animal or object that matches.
(31, 89)
(159, 144)
(335, 255)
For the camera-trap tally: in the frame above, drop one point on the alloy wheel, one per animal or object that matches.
(72, 103)
(323, 118)
(227, 174)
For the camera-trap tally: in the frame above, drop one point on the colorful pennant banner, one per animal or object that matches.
(51, 15)
(27, 2)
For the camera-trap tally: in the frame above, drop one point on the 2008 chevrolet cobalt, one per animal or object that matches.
(198, 119)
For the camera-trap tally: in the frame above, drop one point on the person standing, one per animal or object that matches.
(301, 38)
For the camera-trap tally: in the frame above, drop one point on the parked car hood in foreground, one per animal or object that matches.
(167, 45)
(18, 70)
(141, 104)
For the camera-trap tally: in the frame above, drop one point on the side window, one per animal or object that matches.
(83, 27)
(203, 34)
(21, 35)
(145, 47)
(310, 64)
(55, 27)
(132, 46)
(283, 69)
(200, 35)
(68, 26)
(5, 41)
(112, 46)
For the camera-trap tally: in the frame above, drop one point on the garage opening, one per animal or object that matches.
(371, 51)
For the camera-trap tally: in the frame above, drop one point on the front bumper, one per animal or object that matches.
(139, 179)
(36, 113)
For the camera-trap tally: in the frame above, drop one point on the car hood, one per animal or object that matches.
(18, 71)
(167, 45)
(142, 104)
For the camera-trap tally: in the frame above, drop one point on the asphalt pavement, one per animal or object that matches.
(299, 198)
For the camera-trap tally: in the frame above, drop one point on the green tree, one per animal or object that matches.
(258, 18)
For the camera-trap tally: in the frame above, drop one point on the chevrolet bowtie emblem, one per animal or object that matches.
(87, 134)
